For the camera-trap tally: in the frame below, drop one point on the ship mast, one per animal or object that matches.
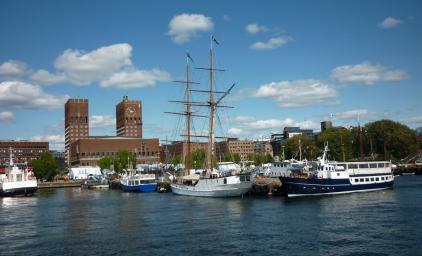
(188, 113)
(211, 136)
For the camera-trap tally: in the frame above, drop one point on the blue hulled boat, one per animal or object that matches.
(139, 183)
(339, 178)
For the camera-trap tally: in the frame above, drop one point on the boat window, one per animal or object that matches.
(380, 165)
(225, 180)
(372, 165)
(372, 179)
(387, 164)
(366, 179)
(361, 180)
(353, 166)
(248, 178)
(338, 174)
(344, 166)
(382, 178)
(136, 182)
(356, 180)
(377, 179)
(361, 166)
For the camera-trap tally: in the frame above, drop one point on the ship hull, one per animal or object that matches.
(212, 188)
(140, 188)
(312, 187)
(21, 191)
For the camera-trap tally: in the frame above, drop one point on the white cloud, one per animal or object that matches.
(255, 28)
(413, 120)
(298, 93)
(84, 68)
(44, 77)
(6, 116)
(110, 66)
(183, 27)
(136, 78)
(56, 141)
(102, 121)
(226, 17)
(16, 94)
(353, 114)
(273, 43)
(389, 22)
(245, 128)
(236, 132)
(308, 124)
(366, 73)
(13, 68)
(242, 119)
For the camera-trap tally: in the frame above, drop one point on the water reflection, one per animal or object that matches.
(77, 221)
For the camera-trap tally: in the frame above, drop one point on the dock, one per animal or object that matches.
(59, 184)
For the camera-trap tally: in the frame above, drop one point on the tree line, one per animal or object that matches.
(379, 140)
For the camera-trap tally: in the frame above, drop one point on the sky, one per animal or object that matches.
(294, 63)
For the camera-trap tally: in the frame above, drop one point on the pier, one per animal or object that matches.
(59, 184)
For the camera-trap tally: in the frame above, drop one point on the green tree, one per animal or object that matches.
(124, 160)
(175, 160)
(45, 167)
(251, 157)
(339, 143)
(309, 149)
(198, 158)
(106, 162)
(232, 157)
(268, 158)
(391, 140)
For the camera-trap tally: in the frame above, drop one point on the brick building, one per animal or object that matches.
(83, 150)
(129, 118)
(87, 151)
(179, 148)
(76, 123)
(263, 147)
(22, 151)
(242, 147)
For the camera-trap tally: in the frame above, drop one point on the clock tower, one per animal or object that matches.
(129, 118)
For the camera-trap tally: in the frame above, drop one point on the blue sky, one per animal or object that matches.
(294, 62)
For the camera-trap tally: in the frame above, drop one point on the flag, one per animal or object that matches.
(215, 40)
(189, 57)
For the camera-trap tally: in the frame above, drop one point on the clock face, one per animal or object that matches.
(130, 111)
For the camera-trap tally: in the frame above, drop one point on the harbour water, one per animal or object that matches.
(74, 221)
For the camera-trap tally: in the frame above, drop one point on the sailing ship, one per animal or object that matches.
(210, 182)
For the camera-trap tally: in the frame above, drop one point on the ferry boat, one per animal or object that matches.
(139, 183)
(339, 178)
(16, 181)
(211, 182)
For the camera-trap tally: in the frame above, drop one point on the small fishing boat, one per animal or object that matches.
(138, 182)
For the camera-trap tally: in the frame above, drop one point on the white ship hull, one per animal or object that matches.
(27, 187)
(217, 187)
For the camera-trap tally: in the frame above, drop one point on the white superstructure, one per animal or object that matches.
(16, 181)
